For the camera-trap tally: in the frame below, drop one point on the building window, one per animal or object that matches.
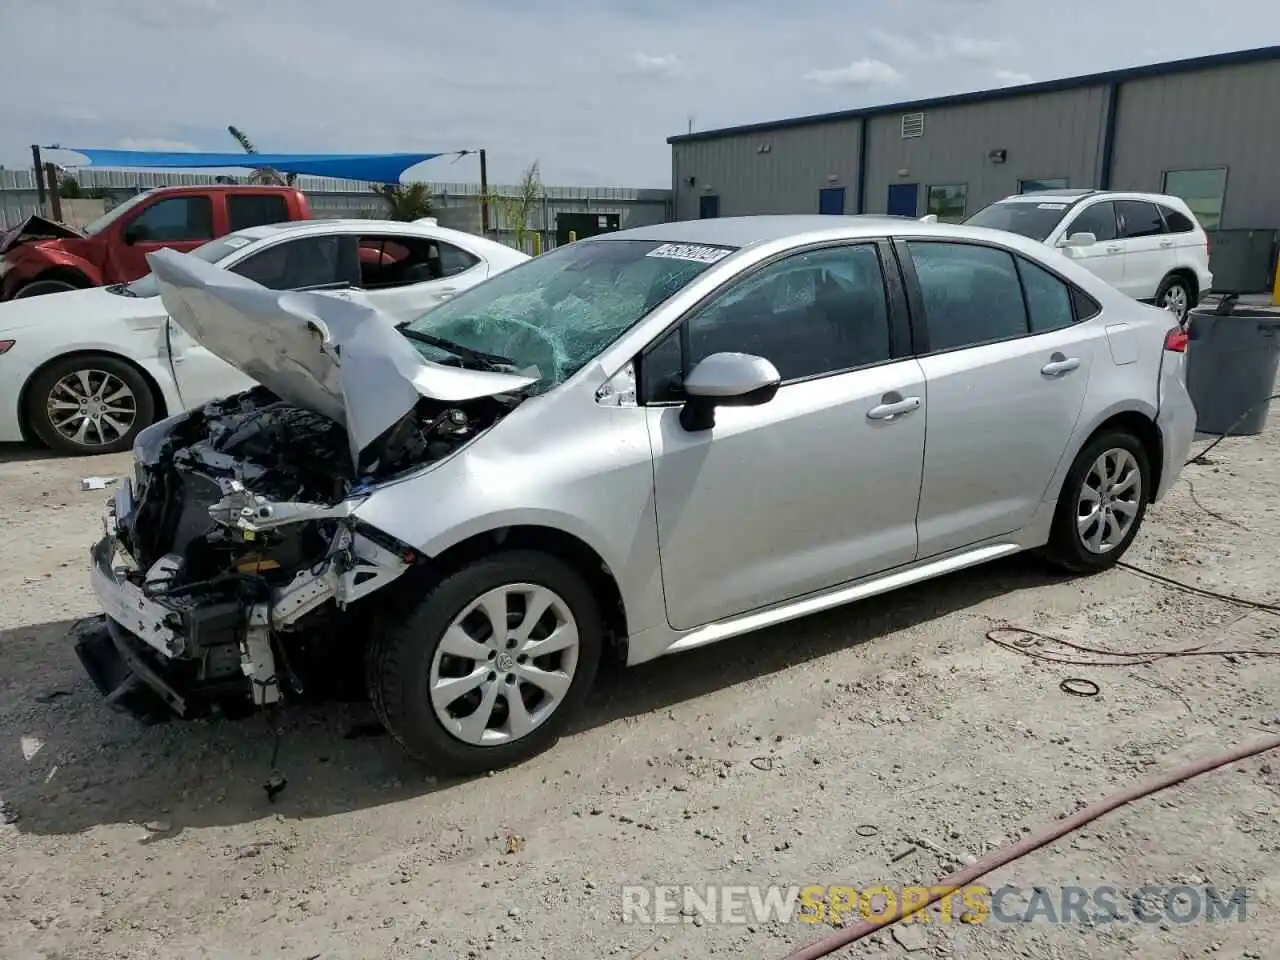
(708, 207)
(1032, 186)
(947, 202)
(1203, 190)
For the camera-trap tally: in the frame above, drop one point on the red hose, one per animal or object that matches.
(1046, 835)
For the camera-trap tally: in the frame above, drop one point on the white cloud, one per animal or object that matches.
(940, 46)
(1011, 77)
(667, 64)
(860, 73)
(156, 144)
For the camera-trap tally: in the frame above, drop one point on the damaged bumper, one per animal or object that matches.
(161, 647)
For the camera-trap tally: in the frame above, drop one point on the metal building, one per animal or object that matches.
(1206, 129)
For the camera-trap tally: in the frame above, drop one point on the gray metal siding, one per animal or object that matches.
(1047, 135)
(784, 178)
(1227, 117)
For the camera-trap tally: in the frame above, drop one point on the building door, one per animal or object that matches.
(583, 225)
(904, 199)
(831, 201)
(708, 207)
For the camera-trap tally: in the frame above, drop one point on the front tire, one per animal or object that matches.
(38, 288)
(90, 404)
(1102, 504)
(487, 669)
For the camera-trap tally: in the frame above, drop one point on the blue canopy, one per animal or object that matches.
(373, 167)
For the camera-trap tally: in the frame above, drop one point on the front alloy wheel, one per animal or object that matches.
(89, 404)
(487, 668)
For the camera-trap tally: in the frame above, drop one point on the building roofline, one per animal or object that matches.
(1106, 78)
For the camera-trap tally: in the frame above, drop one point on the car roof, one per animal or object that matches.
(750, 231)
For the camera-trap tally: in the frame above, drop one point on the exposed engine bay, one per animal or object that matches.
(232, 559)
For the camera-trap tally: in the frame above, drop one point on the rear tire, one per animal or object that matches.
(1174, 295)
(442, 678)
(1103, 502)
(89, 404)
(38, 288)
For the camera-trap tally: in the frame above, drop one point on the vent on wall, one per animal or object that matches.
(912, 125)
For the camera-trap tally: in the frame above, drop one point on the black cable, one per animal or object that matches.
(1200, 591)
(1227, 432)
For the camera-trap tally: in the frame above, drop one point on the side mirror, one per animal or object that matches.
(133, 233)
(1077, 240)
(726, 380)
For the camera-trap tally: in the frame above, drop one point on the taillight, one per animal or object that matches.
(1176, 340)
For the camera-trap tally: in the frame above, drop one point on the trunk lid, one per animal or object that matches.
(325, 352)
(35, 227)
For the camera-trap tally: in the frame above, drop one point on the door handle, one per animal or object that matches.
(890, 408)
(1059, 365)
(1166, 243)
(444, 293)
(1115, 249)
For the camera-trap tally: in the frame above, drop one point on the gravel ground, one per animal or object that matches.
(880, 743)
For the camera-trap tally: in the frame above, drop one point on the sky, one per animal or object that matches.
(590, 89)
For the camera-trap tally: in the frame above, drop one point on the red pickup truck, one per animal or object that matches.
(41, 256)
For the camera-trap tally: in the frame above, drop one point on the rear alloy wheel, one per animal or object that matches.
(38, 288)
(488, 668)
(89, 405)
(1102, 505)
(1175, 296)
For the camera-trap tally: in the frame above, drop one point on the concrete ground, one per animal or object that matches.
(875, 744)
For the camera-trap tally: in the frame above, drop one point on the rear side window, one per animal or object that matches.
(1048, 298)
(255, 209)
(971, 294)
(1138, 218)
(1098, 219)
(1175, 221)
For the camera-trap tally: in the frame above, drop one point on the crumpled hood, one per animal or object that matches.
(337, 357)
(35, 227)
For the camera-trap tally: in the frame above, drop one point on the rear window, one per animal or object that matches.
(1031, 219)
(255, 209)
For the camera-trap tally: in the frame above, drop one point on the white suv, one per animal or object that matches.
(1147, 245)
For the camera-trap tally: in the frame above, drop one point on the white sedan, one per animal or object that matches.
(84, 371)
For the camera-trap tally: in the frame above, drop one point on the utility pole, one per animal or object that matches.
(484, 194)
(38, 166)
(55, 197)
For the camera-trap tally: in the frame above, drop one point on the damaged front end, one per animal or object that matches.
(233, 571)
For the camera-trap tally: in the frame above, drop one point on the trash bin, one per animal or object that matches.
(1231, 368)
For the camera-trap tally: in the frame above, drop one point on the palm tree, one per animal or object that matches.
(265, 174)
(405, 201)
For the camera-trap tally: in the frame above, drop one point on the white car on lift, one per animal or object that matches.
(85, 371)
(1147, 245)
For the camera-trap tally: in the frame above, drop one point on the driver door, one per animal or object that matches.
(321, 263)
(177, 223)
(813, 488)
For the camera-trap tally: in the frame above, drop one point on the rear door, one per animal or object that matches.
(405, 276)
(1106, 258)
(1149, 249)
(322, 263)
(1006, 367)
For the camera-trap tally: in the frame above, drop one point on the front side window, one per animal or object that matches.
(255, 209)
(305, 263)
(810, 314)
(175, 220)
(1138, 218)
(971, 294)
(1035, 221)
(550, 316)
(947, 202)
(1203, 191)
(1098, 219)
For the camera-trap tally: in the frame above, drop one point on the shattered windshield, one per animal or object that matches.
(549, 317)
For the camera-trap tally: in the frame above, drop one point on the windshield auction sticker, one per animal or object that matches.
(690, 251)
